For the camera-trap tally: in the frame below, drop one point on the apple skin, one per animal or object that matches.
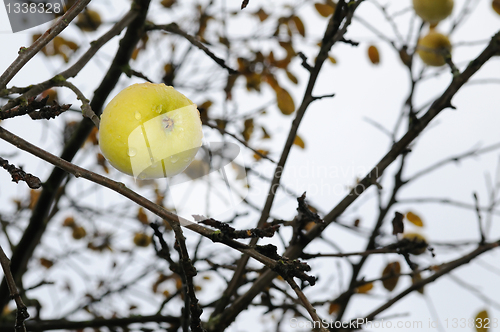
(433, 11)
(150, 131)
(429, 46)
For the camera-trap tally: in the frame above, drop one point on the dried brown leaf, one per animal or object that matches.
(262, 15)
(292, 77)
(142, 216)
(393, 270)
(373, 55)
(495, 4)
(414, 219)
(299, 142)
(248, 129)
(482, 321)
(299, 25)
(285, 101)
(323, 9)
(363, 289)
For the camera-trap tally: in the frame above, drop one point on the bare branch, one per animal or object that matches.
(25, 54)
(22, 311)
(19, 175)
(174, 28)
(86, 108)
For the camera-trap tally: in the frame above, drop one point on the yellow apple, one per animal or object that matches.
(433, 47)
(150, 131)
(142, 239)
(433, 10)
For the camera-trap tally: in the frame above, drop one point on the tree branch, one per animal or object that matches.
(25, 54)
(174, 28)
(39, 218)
(22, 311)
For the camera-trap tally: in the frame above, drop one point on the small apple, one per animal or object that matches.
(142, 239)
(433, 47)
(433, 11)
(150, 131)
(418, 241)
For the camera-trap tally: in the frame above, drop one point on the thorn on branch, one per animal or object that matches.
(304, 62)
(447, 57)
(19, 175)
(229, 232)
(449, 105)
(314, 98)
(350, 42)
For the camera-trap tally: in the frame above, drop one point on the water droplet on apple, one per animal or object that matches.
(131, 152)
(138, 115)
(174, 159)
(158, 108)
(186, 160)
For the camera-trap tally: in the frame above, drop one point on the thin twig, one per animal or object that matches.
(225, 132)
(86, 109)
(174, 28)
(438, 200)
(188, 271)
(32, 91)
(479, 219)
(401, 146)
(49, 196)
(19, 175)
(25, 54)
(133, 196)
(22, 311)
(444, 269)
(355, 253)
(456, 158)
(36, 109)
(68, 325)
(333, 33)
(305, 302)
